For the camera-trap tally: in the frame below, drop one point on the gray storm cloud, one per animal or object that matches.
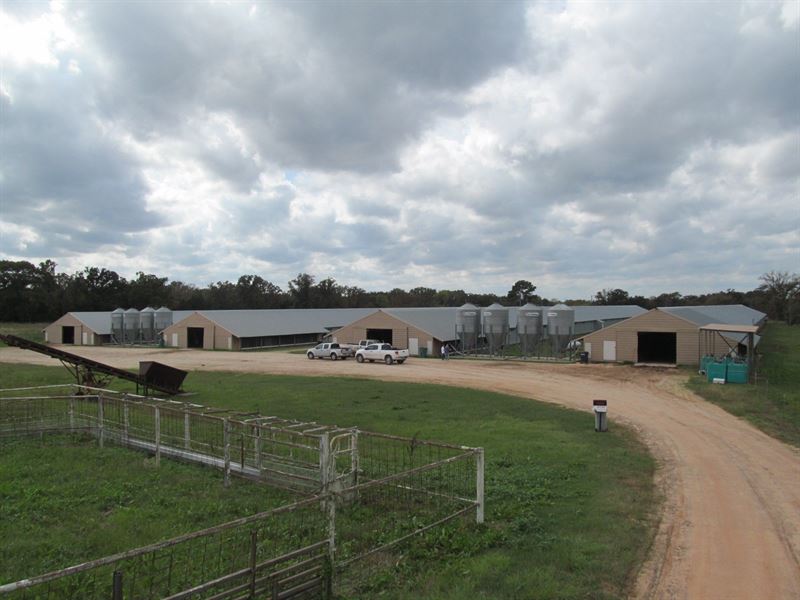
(610, 143)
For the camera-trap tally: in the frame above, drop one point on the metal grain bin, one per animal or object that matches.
(117, 333)
(163, 319)
(147, 318)
(560, 326)
(495, 326)
(468, 326)
(131, 324)
(529, 327)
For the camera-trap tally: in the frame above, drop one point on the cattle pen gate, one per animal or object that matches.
(359, 496)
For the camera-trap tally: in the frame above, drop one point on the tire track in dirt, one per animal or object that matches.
(730, 522)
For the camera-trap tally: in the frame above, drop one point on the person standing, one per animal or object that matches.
(443, 352)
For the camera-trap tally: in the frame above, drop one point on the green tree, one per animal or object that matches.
(301, 291)
(781, 290)
(521, 292)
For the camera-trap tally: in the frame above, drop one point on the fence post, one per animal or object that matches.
(187, 439)
(116, 587)
(479, 465)
(157, 413)
(354, 456)
(253, 554)
(72, 414)
(226, 441)
(257, 446)
(126, 420)
(100, 418)
(332, 533)
(324, 459)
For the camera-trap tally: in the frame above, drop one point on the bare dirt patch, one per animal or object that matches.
(731, 520)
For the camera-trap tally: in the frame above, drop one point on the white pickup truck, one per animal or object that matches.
(384, 352)
(330, 350)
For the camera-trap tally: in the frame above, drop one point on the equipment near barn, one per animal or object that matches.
(90, 373)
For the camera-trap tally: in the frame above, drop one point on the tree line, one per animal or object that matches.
(38, 293)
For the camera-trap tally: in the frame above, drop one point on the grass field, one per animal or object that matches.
(29, 331)
(63, 500)
(772, 404)
(568, 511)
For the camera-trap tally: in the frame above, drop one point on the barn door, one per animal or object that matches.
(610, 350)
(413, 346)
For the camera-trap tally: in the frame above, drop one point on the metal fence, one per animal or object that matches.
(366, 494)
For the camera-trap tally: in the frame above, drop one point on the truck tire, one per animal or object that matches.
(310, 356)
(333, 356)
(400, 362)
(388, 360)
(359, 358)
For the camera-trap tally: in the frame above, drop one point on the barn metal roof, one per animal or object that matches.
(728, 314)
(587, 313)
(438, 321)
(288, 321)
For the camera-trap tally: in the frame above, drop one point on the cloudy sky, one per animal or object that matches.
(581, 145)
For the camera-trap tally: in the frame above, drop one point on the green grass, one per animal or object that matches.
(63, 501)
(569, 511)
(29, 331)
(773, 403)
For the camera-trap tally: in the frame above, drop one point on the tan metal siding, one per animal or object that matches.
(214, 336)
(626, 336)
(401, 331)
(53, 331)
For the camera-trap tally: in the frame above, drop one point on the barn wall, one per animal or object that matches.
(401, 331)
(625, 334)
(53, 332)
(214, 336)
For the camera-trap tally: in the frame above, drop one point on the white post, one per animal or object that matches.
(186, 435)
(324, 459)
(257, 446)
(226, 440)
(354, 457)
(158, 434)
(72, 414)
(100, 418)
(479, 464)
(126, 419)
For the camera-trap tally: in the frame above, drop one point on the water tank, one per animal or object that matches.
(131, 323)
(495, 326)
(147, 318)
(163, 319)
(560, 326)
(117, 335)
(468, 326)
(529, 327)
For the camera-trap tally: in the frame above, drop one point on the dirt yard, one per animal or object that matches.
(731, 522)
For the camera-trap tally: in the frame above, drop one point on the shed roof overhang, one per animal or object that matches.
(730, 328)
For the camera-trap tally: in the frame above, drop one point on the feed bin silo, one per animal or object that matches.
(495, 326)
(117, 333)
(163, 319)
(560, 326)
(147, 318)
(131, 324)
(468, 326)
(529, 327)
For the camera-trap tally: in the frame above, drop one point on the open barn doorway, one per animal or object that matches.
(67, 334)
(657, 347)
(382, 335)
(195, 337)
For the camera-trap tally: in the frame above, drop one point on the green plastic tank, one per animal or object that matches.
(716, 370)
(737, 373)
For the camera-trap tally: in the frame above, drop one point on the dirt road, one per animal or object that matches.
(731, 522)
